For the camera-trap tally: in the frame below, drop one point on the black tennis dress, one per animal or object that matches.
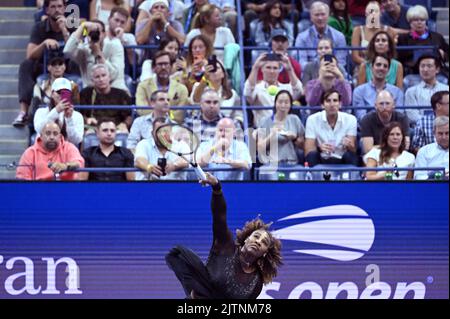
(222, 277)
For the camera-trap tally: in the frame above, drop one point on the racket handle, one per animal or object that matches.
(200, 173)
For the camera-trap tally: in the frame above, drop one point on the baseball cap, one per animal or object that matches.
(61, 84)
(278, 33)
(153, 2)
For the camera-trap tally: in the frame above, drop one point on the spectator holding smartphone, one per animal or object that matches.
(330, 77)
(60, 110)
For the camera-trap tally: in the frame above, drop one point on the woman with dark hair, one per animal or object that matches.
(236, 269)
(283, 128)
(272, 18)
(390, 153)
(382, 43)
(218, 81)
(340, 19)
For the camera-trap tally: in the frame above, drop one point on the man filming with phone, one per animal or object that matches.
(330, 77)
(88, 46)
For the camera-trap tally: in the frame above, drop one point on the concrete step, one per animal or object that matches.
(12, 56)
(8, 85)
(9, 70)
(17, 13)
(14, 41)
(7, 174)
(9, 102)
(7, 115)
(7, 131)
(13, 147)
(16, 27)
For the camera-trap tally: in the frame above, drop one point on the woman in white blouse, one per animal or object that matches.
(209, 24)
(390, 153)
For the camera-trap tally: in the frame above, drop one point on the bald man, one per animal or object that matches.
(373, 123)
(49, 156)
(224, 151)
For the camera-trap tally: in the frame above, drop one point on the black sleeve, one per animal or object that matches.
(365, 127)
(36, 35)
(221, 233)
(129, 158)
(86, 156)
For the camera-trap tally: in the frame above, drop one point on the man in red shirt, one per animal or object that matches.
(280, 45)
(49, 156)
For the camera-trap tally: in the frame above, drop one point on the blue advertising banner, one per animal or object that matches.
(340, 240)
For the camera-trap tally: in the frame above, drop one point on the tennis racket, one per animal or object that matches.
(181, 141)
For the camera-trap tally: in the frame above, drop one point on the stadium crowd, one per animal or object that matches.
(317, 84)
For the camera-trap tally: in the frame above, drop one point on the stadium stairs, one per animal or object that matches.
(15, 27)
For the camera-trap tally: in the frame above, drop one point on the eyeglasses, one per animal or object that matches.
(59, 63)
(163, 64)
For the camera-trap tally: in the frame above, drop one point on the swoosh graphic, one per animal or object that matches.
(335, 210)
(340, 255)
(353, 233)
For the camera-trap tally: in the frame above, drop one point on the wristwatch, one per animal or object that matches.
(166, 26)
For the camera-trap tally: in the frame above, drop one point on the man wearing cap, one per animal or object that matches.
(158, 25)
(60, 110)
(280, 45)
(47, 34)
(420, 94)
(49, 157)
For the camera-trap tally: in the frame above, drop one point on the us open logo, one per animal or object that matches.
(343, 232)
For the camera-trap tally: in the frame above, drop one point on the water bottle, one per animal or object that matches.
(308, 175)
(438, 176)
(388, 176)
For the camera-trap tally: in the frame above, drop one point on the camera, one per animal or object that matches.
(162, 162)
(212, 60)
(95, 36)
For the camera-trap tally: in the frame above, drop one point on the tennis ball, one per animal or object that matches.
(272, 90)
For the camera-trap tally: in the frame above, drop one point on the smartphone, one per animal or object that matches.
(212, 60)
(66, 95)
(328, 58)
(273, 57)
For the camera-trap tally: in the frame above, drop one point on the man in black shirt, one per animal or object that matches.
(102, 93)
(373, 123)
(106, 154)
(47, 34)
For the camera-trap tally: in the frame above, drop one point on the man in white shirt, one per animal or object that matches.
(330, 136)
(434, 154)
(148, 153)
(263, 93)
(420, 94)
